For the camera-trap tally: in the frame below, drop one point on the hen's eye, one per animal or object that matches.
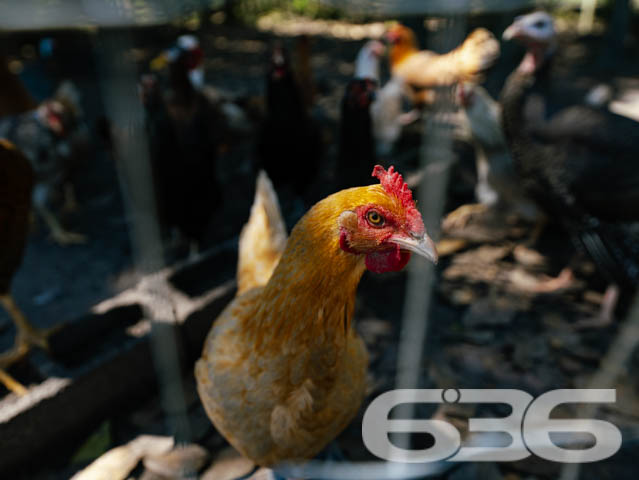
(374, 218)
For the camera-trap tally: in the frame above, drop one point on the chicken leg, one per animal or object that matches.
(27, 337)
(606, 315)
(58, 233)
(460, 217)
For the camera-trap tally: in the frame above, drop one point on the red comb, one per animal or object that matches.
(393, 184)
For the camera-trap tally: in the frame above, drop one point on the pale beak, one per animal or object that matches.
(160, 62)
(511, 32)
(421, 245)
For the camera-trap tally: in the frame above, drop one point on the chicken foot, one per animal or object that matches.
(460, 217)
(538, 229)
(606, 316)
(11, 383)
(70, 199)
(27, 337)
(59, 234)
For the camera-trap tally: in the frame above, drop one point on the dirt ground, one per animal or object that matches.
(485, 329)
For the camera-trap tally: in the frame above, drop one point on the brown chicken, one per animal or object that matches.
(16, 184)
(283, 371)
(424, 70)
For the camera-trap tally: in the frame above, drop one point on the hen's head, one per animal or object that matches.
(464, 95)
(186, 57)
(279, 64)
(536, 31)
(537, 27)
(383, 223)
(360, 93)
(402, 42)
(400, 34)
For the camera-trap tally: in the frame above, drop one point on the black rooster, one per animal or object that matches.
(289, 145)
(185, 133)
(356, 144)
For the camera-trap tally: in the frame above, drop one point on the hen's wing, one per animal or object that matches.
(263, 238)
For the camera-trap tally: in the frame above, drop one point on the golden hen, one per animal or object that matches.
(283, 371)
(425, 70)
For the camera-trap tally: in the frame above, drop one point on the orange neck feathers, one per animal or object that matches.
(403, 44)
(311, 294)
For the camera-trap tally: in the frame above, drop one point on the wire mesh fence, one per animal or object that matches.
(475, 321)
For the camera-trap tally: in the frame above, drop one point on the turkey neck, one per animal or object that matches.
(534, 67)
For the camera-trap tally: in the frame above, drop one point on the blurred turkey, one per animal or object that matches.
(578, 163)
(55, 139)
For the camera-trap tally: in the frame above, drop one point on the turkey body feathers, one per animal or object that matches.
(585, 175)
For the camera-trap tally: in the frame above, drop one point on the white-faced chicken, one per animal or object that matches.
(283, 370)
(497, 188)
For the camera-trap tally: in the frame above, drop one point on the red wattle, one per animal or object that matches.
(387, 260)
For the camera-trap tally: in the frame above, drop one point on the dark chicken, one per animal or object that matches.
(578, 163)
(289, 145)
(15, 98)
(185, 133)
(356, 144)
(16, 184)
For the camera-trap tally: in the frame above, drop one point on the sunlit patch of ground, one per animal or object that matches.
(291, 25)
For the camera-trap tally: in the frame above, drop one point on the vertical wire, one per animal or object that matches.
(119, 87)
(436, 159)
